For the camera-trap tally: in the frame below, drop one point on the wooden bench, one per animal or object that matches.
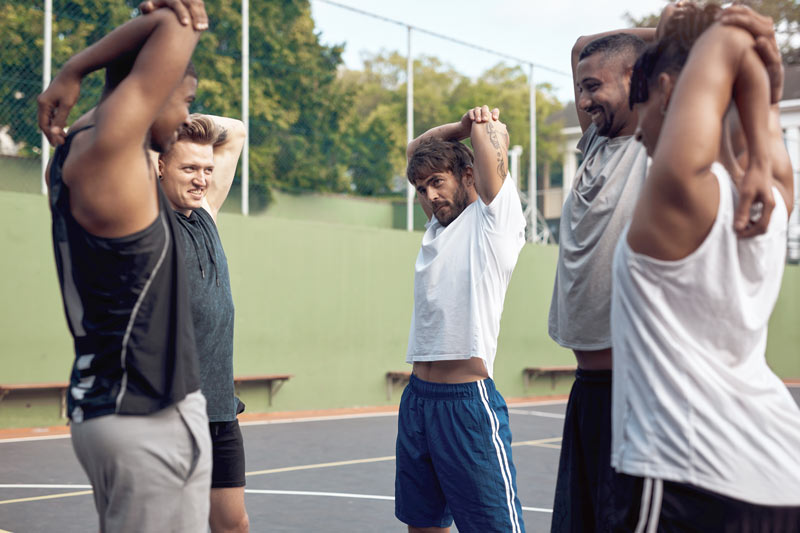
(31, 387)
(272, 381)
(394, 378)
(532, 373)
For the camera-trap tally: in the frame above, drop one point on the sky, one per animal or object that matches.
(542, 32)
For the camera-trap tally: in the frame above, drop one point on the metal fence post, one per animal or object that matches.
(409, 129)
(246, 106)
(532, 192)
(46, 70)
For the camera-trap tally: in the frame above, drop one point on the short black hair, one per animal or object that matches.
(613, 45)
(436, 155)
(670, 52)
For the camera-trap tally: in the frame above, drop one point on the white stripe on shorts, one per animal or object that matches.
(646, 491)
(502, 459)
(655, 508)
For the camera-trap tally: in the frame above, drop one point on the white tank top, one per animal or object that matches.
(693, 398)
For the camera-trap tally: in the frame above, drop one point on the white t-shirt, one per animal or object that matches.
(460, 281)
(693, 398)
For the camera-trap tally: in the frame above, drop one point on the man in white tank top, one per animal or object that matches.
(453, 438)
(705, 429)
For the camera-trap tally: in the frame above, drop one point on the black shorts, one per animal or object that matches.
(227, 450)
(670, 506)
(586, 485)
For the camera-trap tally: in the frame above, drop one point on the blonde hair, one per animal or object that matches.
(202, 130)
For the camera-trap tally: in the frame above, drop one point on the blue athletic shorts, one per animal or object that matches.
(454, 459)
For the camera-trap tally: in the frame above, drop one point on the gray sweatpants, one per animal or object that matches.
(149, 473)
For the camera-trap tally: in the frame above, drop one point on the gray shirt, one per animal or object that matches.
(599, 206)
(212, 311)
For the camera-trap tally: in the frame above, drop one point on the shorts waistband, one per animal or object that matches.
(593, 376)
(442, 391)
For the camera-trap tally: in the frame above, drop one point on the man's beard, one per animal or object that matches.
(605, 128)
(457, 206)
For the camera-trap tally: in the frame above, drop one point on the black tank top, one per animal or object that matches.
(127, 308)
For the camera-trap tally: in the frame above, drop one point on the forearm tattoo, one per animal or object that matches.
(501, 160)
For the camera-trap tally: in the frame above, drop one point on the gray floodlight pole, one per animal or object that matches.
(46, 72)
(246, 106)
(532, 204)
(409, 129)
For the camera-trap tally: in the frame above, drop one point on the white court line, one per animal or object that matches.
(27, 439)
(315, 419)
(537, 509)
(369, 415)
(538, 402)
(328, 494)
(357, 496)
(290, 420)
(253, 491)
(537, 413)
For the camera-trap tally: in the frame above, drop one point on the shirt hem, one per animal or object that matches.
(578, 346)
(715, 486)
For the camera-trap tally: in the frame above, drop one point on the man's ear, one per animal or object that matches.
(468, 177)
(665, 83)
(160, 166)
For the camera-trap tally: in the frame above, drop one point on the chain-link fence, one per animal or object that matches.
(314, 124)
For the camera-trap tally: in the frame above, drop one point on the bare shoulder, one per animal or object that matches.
(111, 195)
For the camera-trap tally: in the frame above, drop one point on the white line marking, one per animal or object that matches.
(315, 419)
(293, 420)
(537, 413)
(538, 402)
(328, 494)
(356, 496)
(538, 510)
(26, 439)
(248, 491)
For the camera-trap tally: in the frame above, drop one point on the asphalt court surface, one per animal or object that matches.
(331, 475)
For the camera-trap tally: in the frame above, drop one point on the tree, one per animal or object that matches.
(76, 24)
(441, 95)
(785, 13)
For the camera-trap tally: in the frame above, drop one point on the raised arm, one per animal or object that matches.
(680, 200)
(150, 37)
(762, 29)
(107, 171)
(490, 141)
(721, 61)
(226, 157)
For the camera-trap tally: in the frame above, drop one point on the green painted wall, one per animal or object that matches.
(329, 303)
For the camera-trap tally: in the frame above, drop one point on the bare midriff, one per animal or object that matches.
(455, 371)
(594, 359)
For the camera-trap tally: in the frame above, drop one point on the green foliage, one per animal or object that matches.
(442, 95)
(313, 125)
(785, 13)
(76, 24)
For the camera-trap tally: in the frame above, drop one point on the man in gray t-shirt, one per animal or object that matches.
(598, 207)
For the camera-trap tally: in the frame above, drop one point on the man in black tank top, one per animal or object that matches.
(196, 174)
(138, 418)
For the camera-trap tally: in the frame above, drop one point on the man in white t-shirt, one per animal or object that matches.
(453, 441)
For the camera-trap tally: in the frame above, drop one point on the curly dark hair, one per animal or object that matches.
(670, 52)
(436, 155)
